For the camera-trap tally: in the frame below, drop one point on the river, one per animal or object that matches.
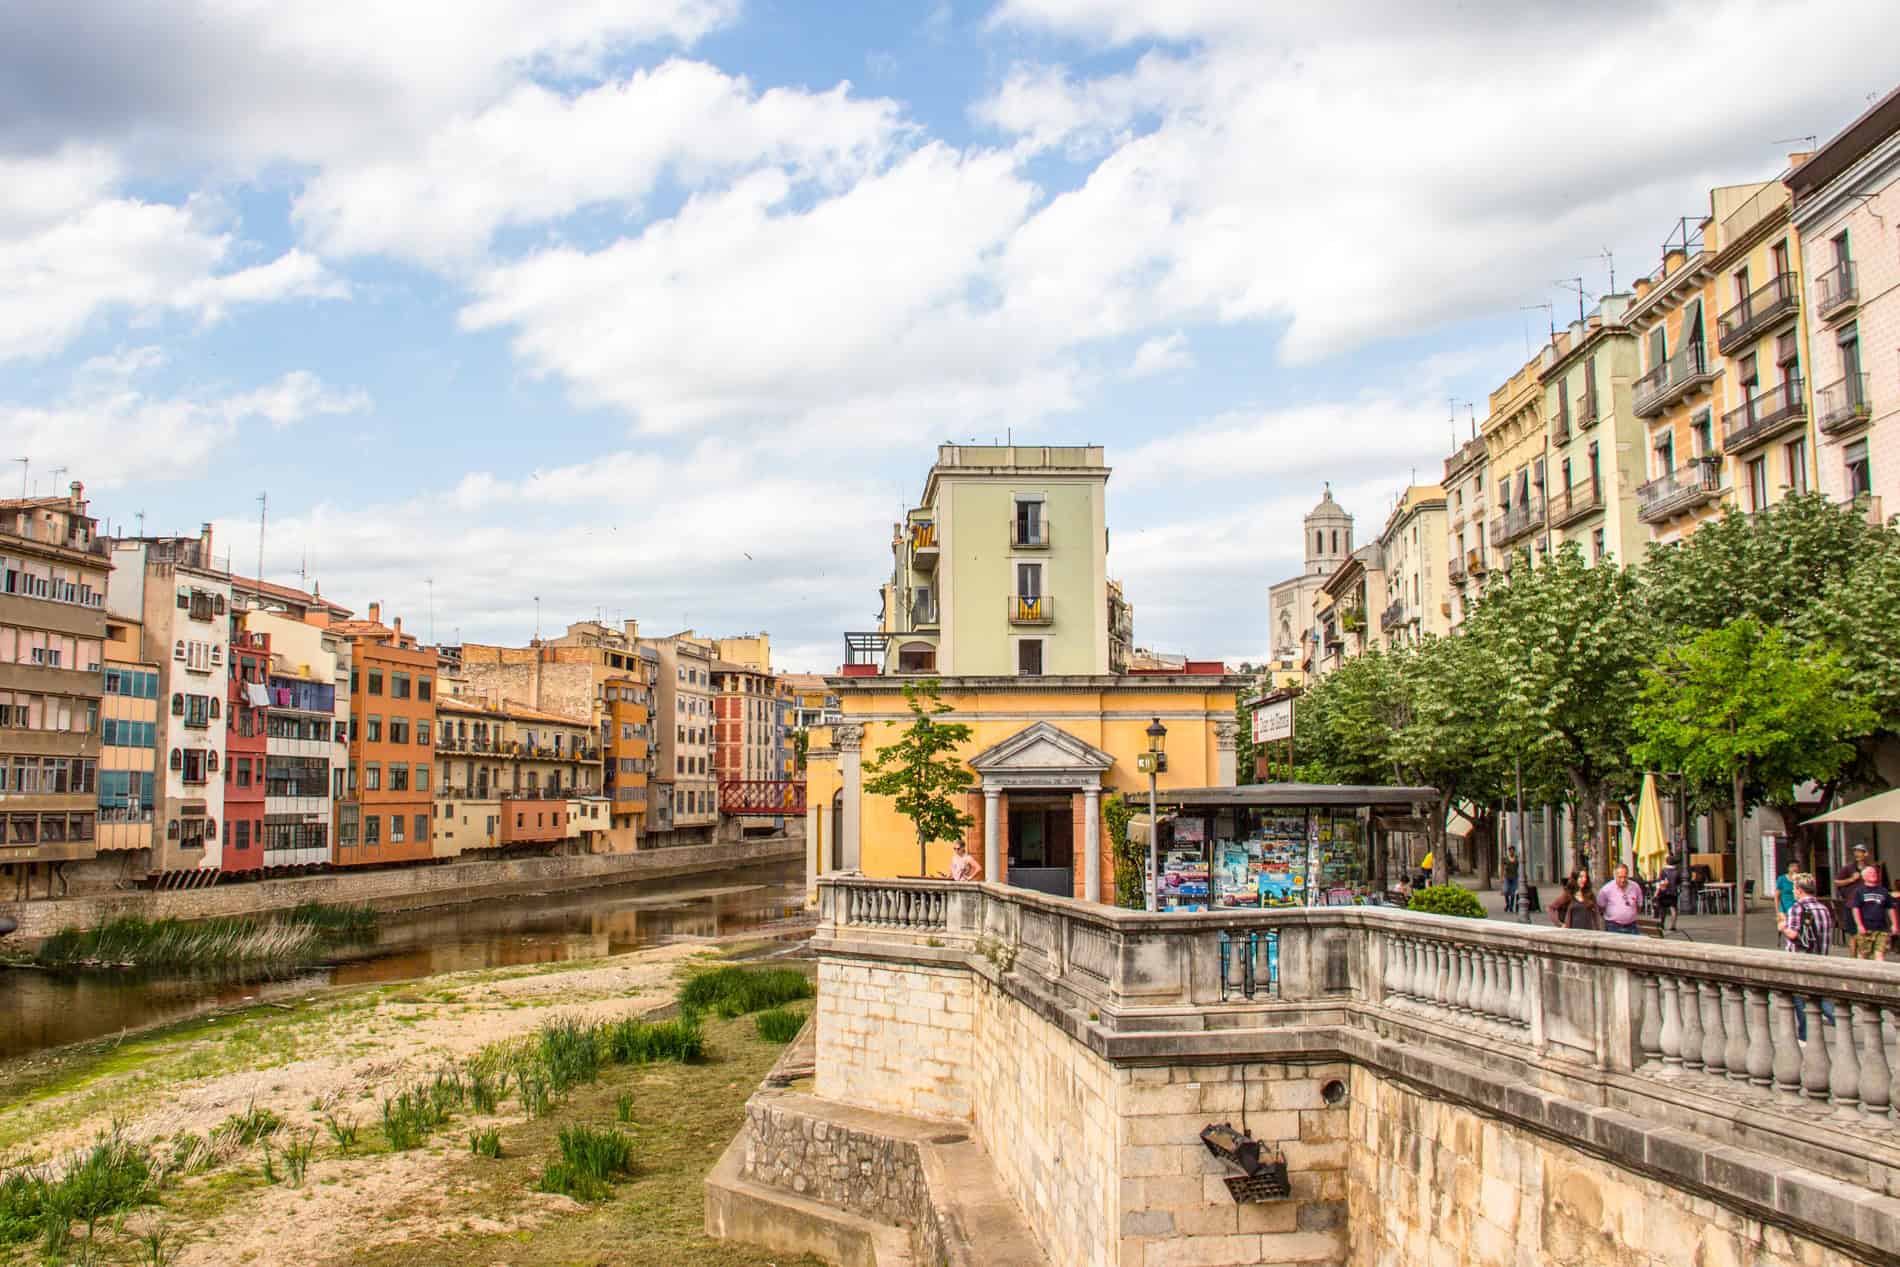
(47, 1009)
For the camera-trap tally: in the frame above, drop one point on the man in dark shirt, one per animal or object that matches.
(1848, 878)
(1876, 916)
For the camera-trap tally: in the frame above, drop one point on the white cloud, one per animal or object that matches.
(117, 434)
(1160, 355)
(537, 155)
(748, 306)
(72, 247)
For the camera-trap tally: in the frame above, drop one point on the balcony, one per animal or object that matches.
(1588, 411)
(1474, 562)
(1560, 427)
(1456, 569)
(1519, 521)
(1036, 609)
(1842, 405)
(1026, 535)
(1758, 312)
(923, 544)
(1836, 291)
(1680, 491)
(1669, 382)
(925, 615)
(1765, 415)
(1392, 617)
(1576, 502)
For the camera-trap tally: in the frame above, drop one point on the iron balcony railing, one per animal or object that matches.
(1034, 609)
(1392, 617)
(923, 535)
(1836, 290)
(1587, 410)
(1680, 490)
(1842, 405)
(1766, 415)
(1575, 502)
(1518, 521)
(924, 615)
(1029, 536)
(1671, 381)
(1758, 310)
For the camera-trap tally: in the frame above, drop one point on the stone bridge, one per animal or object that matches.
(1001, 1076)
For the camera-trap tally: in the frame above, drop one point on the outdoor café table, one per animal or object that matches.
(1719, 895)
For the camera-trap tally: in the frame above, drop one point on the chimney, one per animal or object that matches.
(1672, 260)
(398, 628)
(375, 613)
(79, 495)
(632, 629)
(1642, 287)
(204, 537)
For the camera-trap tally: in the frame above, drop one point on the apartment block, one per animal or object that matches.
(1517, 453)
(685, 783)
(387, 807)
(53, 584)
(246, 708)
(1847, 211)
(1001, 568)
(1416, 604)
(128, 746)
(748, 748)
(1597, 443)
(508, 775)
(1467, 556)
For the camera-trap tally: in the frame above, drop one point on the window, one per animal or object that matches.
(241, 767)
(1758, 484)
(1029, 656)
(1028, 582)
(422, 731)
(422, 777)
(375, 681)
(1860, 475)
(399, 686)
(241, 832)
(1703, 428)
(353, 780)
(424, 688)
(1798, 465)
(422, 828)
(398, 776)
(356, 684)
(372, 777)
(398, 730)
(1849, 344)
(178, 704)
(1779, 253)
(1596, 545)
(1665, 454)
(372, 829)
(375, 731)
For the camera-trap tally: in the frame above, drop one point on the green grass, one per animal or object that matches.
(591, 1159)
(297, 936)
(114, 1176)
(779, 1025)
(733, 991)
(486, 1143)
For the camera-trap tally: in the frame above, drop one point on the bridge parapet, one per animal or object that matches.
(1683, 1062)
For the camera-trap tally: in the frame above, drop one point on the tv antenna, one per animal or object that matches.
(26, 464)
(1609, 259)
(1550, 315)
(1570, 283)
(263, 505)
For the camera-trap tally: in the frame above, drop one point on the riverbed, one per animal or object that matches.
(47, 1009)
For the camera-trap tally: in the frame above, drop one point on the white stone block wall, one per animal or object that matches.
(896, 1038)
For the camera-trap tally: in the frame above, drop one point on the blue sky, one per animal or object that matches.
(656, 308)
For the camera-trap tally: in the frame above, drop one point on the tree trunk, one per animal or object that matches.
(923, 854)
(1441, 865)
(1741, 904)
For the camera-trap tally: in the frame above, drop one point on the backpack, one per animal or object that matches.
(1807, 935)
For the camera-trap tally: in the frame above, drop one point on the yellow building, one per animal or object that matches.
(1596, 440)
(1416, 601)
(1467, 559)
(1001, 568)
(754, 651)
(1517, 453)
(128, 729)
(538, 773)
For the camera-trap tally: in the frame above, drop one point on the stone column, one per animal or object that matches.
(1225, 735)
(849, 740)
(1092, 844)
(992, 852)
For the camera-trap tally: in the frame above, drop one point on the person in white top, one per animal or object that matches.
(963, 866)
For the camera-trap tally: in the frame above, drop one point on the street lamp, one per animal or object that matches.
(1156, 759)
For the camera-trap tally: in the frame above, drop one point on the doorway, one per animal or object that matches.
(1042, 843)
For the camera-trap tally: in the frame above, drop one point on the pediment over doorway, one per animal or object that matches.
(1043, 749)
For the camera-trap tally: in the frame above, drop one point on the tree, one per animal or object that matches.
(801, 746)
(1131, 861)
(921, 772)
(1747, 705)
(1571, 642)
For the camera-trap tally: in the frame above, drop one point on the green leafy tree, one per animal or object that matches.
(1570, 643)
(1131, 862)
(801, 746)
(1856, 620)
(1748, 706)
(1773, 566)
(922, 773)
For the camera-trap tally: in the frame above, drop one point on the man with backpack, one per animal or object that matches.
(1807, 929)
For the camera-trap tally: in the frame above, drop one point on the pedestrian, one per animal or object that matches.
(1510, 881)
(1850, 877)
(963, 866)
(1621, 901)
(1876, 917)
(1576, 907)
(1807, 929)
(1784, 888)
(1669, 892)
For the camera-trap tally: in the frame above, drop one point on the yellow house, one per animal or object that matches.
(1596, 440)
(1416, 600)
(1517, 454)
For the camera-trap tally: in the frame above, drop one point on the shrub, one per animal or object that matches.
(485, 1143)
(410, 1116)
(1447, 899)
(734, 991)
(780, 1025)
(484, 1090)
(591, 1158)
(569, 1052)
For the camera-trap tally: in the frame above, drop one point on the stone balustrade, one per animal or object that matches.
(1594, 1037)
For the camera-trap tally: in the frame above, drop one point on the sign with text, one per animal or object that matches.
(1273, 721)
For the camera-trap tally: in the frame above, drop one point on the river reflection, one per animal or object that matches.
(43, 1009)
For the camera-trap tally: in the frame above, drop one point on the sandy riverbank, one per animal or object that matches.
(342, 1053)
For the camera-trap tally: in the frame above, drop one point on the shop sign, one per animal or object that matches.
(1273, 721)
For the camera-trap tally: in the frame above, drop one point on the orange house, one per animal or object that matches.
(388, 801)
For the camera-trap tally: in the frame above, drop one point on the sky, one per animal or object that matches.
(658, 308)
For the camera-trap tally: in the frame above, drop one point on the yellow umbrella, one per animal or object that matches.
(1651, 849)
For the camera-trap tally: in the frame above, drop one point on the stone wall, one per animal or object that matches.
(896, 1038)
(397, 888)
(1432, 1182)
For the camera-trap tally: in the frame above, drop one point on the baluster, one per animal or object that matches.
(1876, 1087)
(1495, 985)
(1815, 1074)
(1844, 1079)
(1761, 1045)
(1441, 994)
(1410, 962)
(1735, 1055)
(1714, 1040)
(1462, 999)
(1474, 982)
(1391, 955)
(1484, 982)
(1649, 1030)
(1671, 1036)
(1520, 995)
(1893, 1065)
(1691, 1027)
(1787, 1050)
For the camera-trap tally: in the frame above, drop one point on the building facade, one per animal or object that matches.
(748, 747)
(306, 760)
(1846, 207)
(1326, 541)
(1417, 602)
(1467, 545)
(684, 775)
(387, 807)
(1597, 442)
(246, 714)
(1343, 610)
(508, 775)
(1517, 454)
(1001, 568)
(128, 746)
(53, 587)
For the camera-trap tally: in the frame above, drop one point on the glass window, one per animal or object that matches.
(425, 689)
(1798, 465)
(399, 686)
(372, 777)
(1860, 475)
(372, 829)
(375, 681)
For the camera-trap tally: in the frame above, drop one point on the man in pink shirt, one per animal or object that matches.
(1621, 901)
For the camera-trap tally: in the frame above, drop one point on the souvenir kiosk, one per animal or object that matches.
(1276, 844)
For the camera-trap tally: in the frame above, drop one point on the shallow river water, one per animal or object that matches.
(43, 1009)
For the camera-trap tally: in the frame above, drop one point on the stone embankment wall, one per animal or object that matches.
(398, 888)
(1430, 1182)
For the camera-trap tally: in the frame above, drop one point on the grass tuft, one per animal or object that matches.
(113, 1176)
(592, 1157)
(486, 1143)
(780, 1025)
(733, 991)
(300, 935)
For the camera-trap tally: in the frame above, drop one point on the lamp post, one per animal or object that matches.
(1156, 759)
